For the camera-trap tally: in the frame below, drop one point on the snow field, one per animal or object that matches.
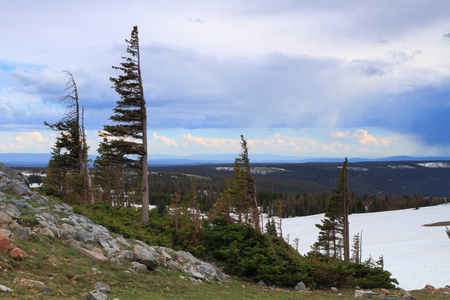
(415, 255)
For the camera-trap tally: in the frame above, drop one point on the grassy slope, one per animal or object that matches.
(70, 276)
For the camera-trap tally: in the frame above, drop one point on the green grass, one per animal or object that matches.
(69, 276)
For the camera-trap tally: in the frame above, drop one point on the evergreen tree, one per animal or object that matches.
(356, 249)
(68, 169)
(333, 236)
(126, 140)
(239, 195)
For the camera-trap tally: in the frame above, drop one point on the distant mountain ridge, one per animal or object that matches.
(41, 159)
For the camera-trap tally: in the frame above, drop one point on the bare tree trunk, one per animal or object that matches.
(346, 211)
(87, 183)
(144, 158)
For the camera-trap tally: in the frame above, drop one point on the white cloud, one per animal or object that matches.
(167, 142)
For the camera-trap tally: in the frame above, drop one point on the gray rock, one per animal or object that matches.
(6, 233)
(7, 222)
(94, 255)
(110, 245)
(96, 295)
(2, 196)
(144, 256)
(119, 257)
(67, 231)
(17, 185)
(364, 294)
(334, 289)
(138, 267)
(197, 275)
(20, 203)
(185, 257)
(100, 232)
(85, 236)
(301, 287)
(63, 207)
(47, 232)
(261, 283)
(12, 173)
(210, 271)
(122, 242)
(100, 286)
(21, 189)
(5, 288)
(49, 217)
(11, 210)
(22, 233)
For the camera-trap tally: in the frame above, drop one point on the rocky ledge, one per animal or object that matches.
(58, 221)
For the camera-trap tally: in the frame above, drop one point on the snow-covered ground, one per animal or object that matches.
(415, 255)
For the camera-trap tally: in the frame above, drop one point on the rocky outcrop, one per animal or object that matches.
(13, 173)
(58, 220)
(11, 179)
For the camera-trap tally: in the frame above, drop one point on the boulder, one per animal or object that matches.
(47, 232)
(29, 283)
(20, 203)
(143, 256)
(17, 253)
(91, 254)
(11, 210)
(67, 232)
(12, 173)
(301, 287)
(138, 267)
(5, 232)
(364, 294)
(100, 286)
(7, 222)
(22, 233)
(21, 189)
(4, 244)
(5, 288)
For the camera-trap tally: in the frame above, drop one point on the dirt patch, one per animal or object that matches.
(446, 223)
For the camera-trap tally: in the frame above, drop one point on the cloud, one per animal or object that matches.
(167, 142)
(363, 137)
(26, 142)
(210, 142)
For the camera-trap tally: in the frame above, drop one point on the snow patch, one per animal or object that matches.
(400, 167)
(256, 170)
(435, 164)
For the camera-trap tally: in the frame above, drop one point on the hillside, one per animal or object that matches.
(426, 178)
(48, 250)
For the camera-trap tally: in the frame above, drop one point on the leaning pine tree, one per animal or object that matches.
(128, 137)
(68, 169)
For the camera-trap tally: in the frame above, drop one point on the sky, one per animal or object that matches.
(296, 78)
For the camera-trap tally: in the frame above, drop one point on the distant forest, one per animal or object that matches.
(290, 190)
